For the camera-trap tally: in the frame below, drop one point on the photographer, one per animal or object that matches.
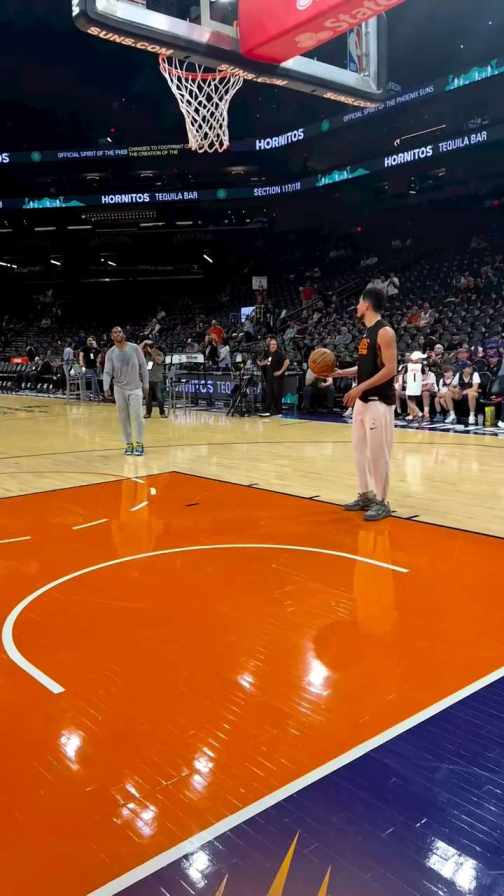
(274, 367)
(154, 359)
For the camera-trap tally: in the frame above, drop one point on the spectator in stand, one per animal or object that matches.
(192, 346)
(30, 353)
(444, 398)
(307, 293)
(494, 344)
(429, 390)
(479, 361)
(427, 315)
(462, 356)
(249, 331)
(224, 358)
(344, 338)
(42, 370)
(437, 360)
(153, 328)
(88, 360)
(290, 332)
(318, 393)
(378, 282)
(392, 286)
(465, 388)
(413, 319)
(495, 366)
(216, 332)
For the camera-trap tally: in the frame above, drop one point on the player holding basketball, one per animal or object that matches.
(373, 400)
(125, 362)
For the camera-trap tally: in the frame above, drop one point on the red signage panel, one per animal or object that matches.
(277, 30)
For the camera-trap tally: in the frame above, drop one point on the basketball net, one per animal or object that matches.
(204, 99)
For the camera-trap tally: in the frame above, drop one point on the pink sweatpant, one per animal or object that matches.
(372, 440)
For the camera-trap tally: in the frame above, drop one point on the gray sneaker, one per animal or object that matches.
(364, 501)
(380, 510)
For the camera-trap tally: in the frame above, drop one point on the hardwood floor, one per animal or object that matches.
(181, 654)
(444, 478)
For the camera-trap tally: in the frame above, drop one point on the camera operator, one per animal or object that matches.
(154, 359)
(274, 365)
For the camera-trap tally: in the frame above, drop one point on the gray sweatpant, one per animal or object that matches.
(129, 408)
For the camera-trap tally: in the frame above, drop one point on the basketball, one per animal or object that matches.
(322, 362)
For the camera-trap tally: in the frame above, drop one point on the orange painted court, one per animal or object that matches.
(194, 646)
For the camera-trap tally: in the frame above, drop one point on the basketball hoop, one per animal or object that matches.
(204, 98)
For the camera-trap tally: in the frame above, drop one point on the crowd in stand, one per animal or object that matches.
(448, 313)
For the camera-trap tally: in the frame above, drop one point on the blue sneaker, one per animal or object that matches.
(380, 510)
(139, 449)
(129, 450)
(364, 501)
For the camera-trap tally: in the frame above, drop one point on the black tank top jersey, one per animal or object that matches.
(463, 384)
(370, 363)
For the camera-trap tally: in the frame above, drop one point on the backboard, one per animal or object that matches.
(204, 31)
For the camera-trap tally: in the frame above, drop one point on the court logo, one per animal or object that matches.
(303, 4)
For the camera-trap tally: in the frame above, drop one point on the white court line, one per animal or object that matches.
(139, 506)
(14, 540)
(222, 827)
(8, 627)
(87, 525)
(134, 479)
(153, 491)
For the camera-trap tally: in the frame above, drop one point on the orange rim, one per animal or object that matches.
(193, 76)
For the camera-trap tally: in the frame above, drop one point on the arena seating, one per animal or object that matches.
(454, 300)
